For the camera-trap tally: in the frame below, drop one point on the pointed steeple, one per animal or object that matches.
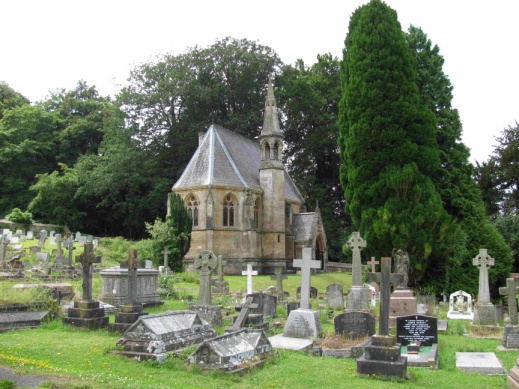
(271, 119)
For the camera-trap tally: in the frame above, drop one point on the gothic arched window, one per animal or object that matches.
(276, 151)
(267, 151)
(256, 212)
(192, 209)
(228, 211)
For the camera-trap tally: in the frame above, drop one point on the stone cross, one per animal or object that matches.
(279, 277)
(356, 244)
(483, 261)
(249, 273)
(69, 245)
(60, 259)
(132, 264)
(165, 252)
(511, 291)
(373, 264)
(87, 259)
(306, 264)
(205, 263)
(385, 278)
(221, 262)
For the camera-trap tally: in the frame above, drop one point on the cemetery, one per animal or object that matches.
(256, 336)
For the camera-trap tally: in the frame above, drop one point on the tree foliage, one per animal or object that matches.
(10, 99)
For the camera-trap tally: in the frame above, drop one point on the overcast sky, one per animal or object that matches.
(52, 44)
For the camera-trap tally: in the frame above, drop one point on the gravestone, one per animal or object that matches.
(279, 277)
(334, 296)
(249, 273)
(77, 236)
(3, 249)
(291, 305)
(511, 331)
(354, 324)
(303, 324)
(221, 286)
(419, 335)
(61, 261)
(42, 256)
(479, 362)
(460, 306)
(484, 310)
(151, 336)
(205, 263)
(242, 319)
(87, 313)
(382, 353)
(402, 302)
(232, 352)
(69, 246)
(30, 235)
(266, 303)
(21, 320)
(95, 242)
(52, 240)
(358, 297)
(166, 269)
(82, 241)
(313, 292)
(133, 310)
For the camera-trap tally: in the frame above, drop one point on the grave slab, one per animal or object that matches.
(484, 362)
(297, 344)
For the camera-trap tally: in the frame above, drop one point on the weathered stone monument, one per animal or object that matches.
(382, 354)
(334, 296)
(220, 286)
(206, 262)
(249, 273)
(460, 306)
(87, 313)
(402, 302)
(354, 324)
(166, 270)
(358, 295)
(484, 310)
(133, 310)
(61, 261)
(303, 324)
(511, 331)
(279, 277)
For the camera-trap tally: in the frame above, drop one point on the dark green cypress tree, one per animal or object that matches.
(388, 143)
(179, 226)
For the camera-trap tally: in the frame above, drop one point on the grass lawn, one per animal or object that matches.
(82, 357)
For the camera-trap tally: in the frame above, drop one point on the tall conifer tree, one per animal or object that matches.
(388, 142)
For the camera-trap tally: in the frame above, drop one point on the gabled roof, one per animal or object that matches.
(236, 342)
(304, 225)
(167, 322)
(225, 158)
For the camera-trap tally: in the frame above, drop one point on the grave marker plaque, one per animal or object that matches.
(417, 328)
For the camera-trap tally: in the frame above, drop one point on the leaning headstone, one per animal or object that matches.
(334, 296)
(249, 273)
(152, 336)
(303, 325)
(402, 302)
(358, 297)
(242, 319)
(460, 306)
(87, 313)
(484, 310)
(511, 331)
(419, 335)
(382, 354)
(354, 324)
(233, 352)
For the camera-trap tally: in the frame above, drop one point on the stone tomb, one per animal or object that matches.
(151, 336)
(418, 335)
(21, 320)
(232, 352)
(460, 306)
(354, 324)
(485, 363)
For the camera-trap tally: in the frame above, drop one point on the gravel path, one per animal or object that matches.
(26, 381)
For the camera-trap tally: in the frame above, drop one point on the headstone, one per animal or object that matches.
(89, 238)
(69, 246)
(51, 234)
(402, 302)
(61, 260)
(82, 241)
(479, 362)
(291, 305)
(221, 286)
(334, 296)
(354, 325)
(14, 240)
(511, 331)
(152, 336)
(241, 320)
(249, 273)
(484, 310)
(52, 240)
(3, 247)
(165, 252)
(18, 233)
(95, 242)
(306, 264)
(232, 352)
(77, 236)
(87, 313)
(205, 263)
(358, 295)
(417, 328)
(313, 292)
(460, 306)
(279, 277)
(30, 235)
(266, 303)
(210, 313)
(372, 294)
(42, 256)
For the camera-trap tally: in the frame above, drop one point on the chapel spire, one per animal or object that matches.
(271, 120)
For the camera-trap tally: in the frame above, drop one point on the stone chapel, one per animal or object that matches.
(243, 204)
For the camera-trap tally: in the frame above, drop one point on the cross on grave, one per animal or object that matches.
(60, 259)
(249, 273)
(511, 291)
(132, 264)
(244, 313)
(221, 262)
(205, 263)
(165, 252)
(87, 259)
(385, 278)
(373, 264)
(279, 277)
(483, 261)
(306, 264)
(3, 245)
(356, 244)
(69, 245)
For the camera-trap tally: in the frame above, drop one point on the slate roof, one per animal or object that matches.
(167, 322)
(225, 158)
(235, 342)
(304, 225)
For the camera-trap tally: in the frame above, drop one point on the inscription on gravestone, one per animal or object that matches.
(417, 328)
(354, 325)
(300, 328)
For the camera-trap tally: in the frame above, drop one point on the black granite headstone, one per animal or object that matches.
(266, 303)
(355, 324)
(417, 328)
(291, 306)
